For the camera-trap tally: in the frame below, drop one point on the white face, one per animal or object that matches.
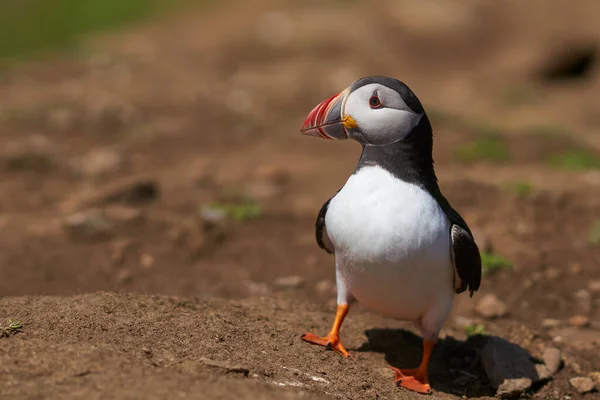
(381, 116)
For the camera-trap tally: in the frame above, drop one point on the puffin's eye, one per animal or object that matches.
(374, 102)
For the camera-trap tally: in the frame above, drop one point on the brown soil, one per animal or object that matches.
(160, 303)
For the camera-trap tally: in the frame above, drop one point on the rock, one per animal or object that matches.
(213, 215)
(549, 323)
(596, 378)
(257, 288)
(552, 359)
(491, 306)
(513, 388)
(88, 225)
(579, 321)
(583, 384)
(543, 372)
(289, 282)
(462, 322)
(100, 162)
(123, 214)
(325, 287)
(146, 260)
(129, 191)
(503, 360)
(594, 286)
(34, 154)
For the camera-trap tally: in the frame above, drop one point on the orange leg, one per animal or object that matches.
(332, 340)
(416, 379)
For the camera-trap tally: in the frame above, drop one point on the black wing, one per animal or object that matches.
(321, 230)
(465, 253)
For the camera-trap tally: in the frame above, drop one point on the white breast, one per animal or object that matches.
(392, 244)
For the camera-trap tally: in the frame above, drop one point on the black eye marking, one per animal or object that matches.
(374, 101)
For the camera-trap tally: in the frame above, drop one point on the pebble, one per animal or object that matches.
(134, 190)
(100, 162)
(550, 323)
(462, 322)
(34, 154)
(513, 388)
(257, 288)
(579, 321)
(594, 286)
(583, 384)
(543, 372)
(596, 378)
(123, 214)
(146, 260)
(289, 282)
(88, 225)
(552, 359)
(491, 306)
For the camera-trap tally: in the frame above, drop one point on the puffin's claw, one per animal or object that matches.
(412, 379)
(330, 342)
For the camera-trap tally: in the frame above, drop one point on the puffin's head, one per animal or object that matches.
(373, 111)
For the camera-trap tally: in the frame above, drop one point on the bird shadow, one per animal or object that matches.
(455, 366)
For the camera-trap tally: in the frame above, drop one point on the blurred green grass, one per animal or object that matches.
(31, 26)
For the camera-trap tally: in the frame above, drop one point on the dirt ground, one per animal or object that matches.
(119, 156)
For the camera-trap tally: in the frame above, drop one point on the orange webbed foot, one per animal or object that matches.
(412, 379)
(330, 342)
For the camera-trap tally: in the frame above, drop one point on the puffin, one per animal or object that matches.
(400, 248)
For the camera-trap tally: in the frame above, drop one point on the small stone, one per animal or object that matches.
(552, 359)
(596, 378)
(257, 288)
(213, 215)
(543, 372)
(289, 282)
(127, 191)
(100, 162)
(503, 360)
(579, 321)
(583, 384)
(513, 388)
(491, 307)
(325, 287)
(462, 322)
(123, 214)
(88, 225)
(550, 323)
(594, 286)
(34, 154)
(146, 260)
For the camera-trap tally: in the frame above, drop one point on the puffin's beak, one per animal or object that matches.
(326, 121)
